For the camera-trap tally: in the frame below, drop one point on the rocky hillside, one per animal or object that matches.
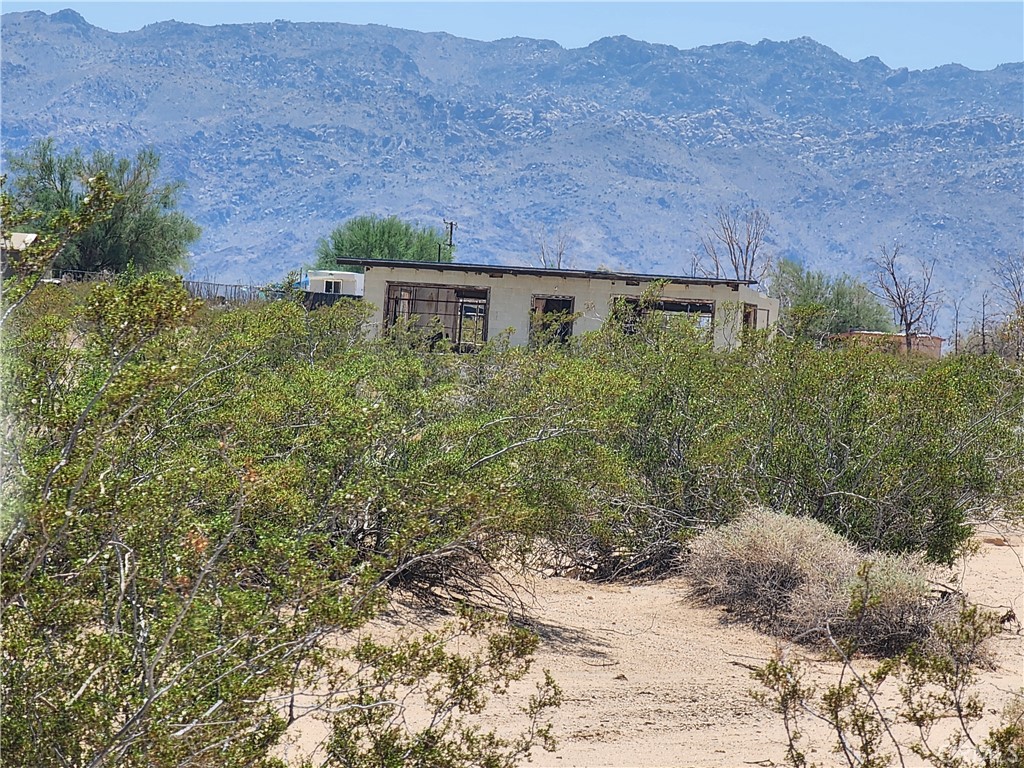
(283, 130)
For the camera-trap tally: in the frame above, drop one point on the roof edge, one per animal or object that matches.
(591, 274)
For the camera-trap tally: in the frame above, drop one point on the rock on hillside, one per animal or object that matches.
(283, 130)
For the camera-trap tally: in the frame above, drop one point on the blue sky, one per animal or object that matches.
(918, 35)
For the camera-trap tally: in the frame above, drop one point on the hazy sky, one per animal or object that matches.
(918, 35)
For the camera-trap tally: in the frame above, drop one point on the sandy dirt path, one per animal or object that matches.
(650, 679)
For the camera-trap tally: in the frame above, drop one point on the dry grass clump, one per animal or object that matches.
(891, 605)
(796, 578)
(770, 570)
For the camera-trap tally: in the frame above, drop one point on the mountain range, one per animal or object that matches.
(622, 149)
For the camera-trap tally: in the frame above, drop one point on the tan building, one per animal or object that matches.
(332, 281)
(474, 302)
(922, 344)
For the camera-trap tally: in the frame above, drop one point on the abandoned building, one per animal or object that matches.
(13, 246)
(923, 344)
(470, 303)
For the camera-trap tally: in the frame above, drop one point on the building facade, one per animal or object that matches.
(470, 304)
(924, 344)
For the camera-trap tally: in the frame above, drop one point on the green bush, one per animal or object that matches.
(194, 504)
(193, 501)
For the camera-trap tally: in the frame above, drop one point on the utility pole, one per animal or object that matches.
(451, 226)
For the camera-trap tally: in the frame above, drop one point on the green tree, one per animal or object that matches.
(815, 305)
(143, 228)
(23, 268)
(370, 237)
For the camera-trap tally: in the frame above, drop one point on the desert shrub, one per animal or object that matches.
(194, 504)
(933, 687)
(414, 702)
(1005, 744)
(796, 578)
(892, 606)
(897, 455)
(862, 441)
(756, 566)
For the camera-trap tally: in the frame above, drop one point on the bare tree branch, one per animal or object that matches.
(735, 244)
(556, 252)
(913, 298)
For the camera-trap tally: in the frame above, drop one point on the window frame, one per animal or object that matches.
(669, 307)
(462, 310)
(540, 328)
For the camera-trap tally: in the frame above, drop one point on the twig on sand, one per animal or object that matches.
(628, 634)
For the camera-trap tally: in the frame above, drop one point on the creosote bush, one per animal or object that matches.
(193, 501)
(919, 708)
(798, 579)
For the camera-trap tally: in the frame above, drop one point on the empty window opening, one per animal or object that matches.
(750, 316)
(630, 310)
(460, 313)
(551, 318)
(755, 317)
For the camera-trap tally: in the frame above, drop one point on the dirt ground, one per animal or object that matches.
(650, 679)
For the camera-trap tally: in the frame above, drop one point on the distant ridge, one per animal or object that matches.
(281, 130)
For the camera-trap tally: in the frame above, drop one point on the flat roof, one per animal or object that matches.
(589, 274)
(19, 240)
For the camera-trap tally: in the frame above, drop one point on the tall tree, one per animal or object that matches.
(391, 238)
(911, 295)
(144, 228)
(814, 305)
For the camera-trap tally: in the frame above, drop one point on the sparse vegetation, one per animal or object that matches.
(886, 713)
(198, 504)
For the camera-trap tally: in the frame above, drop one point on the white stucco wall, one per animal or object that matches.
(511, 298)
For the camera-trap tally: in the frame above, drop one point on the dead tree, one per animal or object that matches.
(1009, 272)
(735, 244)
(912, 297)
(984, 323)
(555, 252)
(957, 303)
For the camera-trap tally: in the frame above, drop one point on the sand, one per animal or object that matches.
(650, 679)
